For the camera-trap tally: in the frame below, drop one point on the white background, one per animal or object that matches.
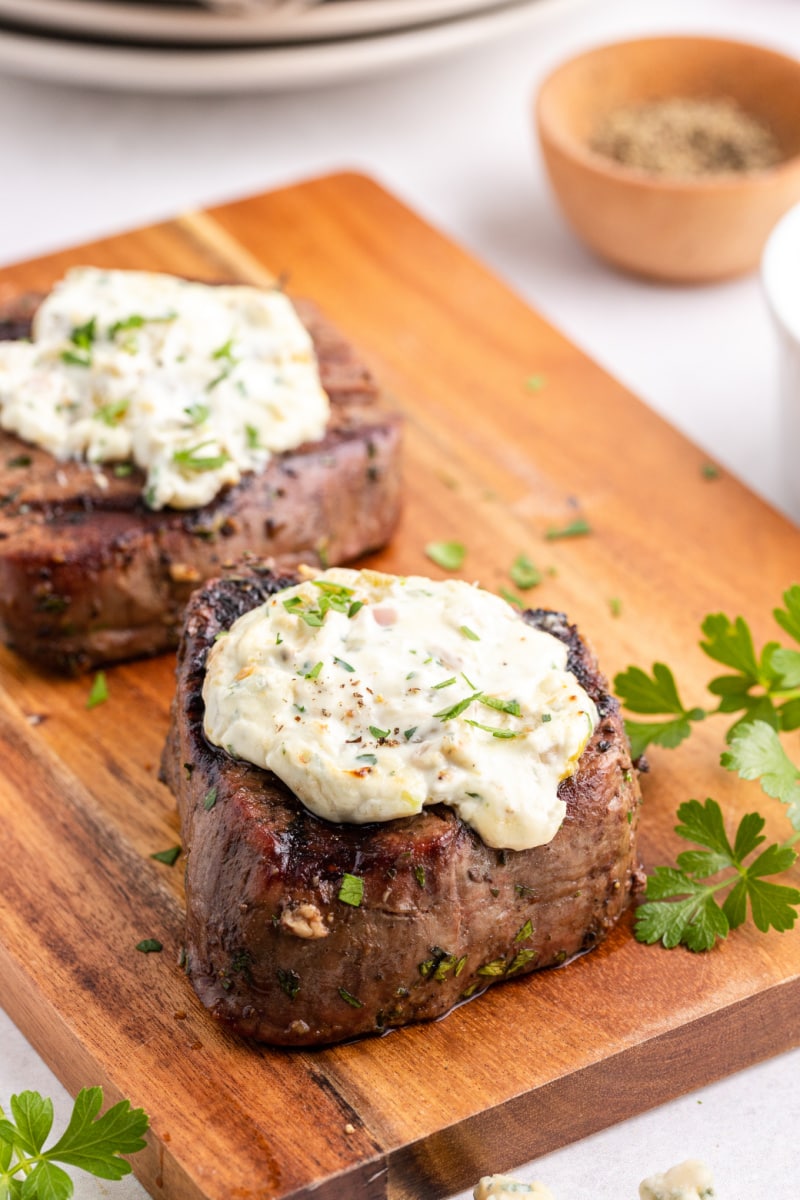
(454, 140)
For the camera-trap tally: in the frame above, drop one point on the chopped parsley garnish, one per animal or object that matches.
(445, 683)
(615, 606)
(455, 710)
(710, 470)
(350, 999)
(352, 890)
(507, 706)
(314, 672)
(535, 383)
(98, 693)
(520, 960)
(367, 758)
(447, 555)
(289, 982)
(150, 946)
(409, 733)
(510, 598)
(136, 321)
(123, 470)
(21, 460)
(576, 528)
(354, 607)
(251, 434)
(112, 413)
(419, 875)
(380, 734)
(224, 351)
(493, 730)
(496, 967)
(170, 857)
(210, 799)
(523, 573)
(191, 460)
(77, 358)
(89, 1142)
(344, 665)
(83, 336)
(524, 933)
(469, 633)
(197, 413)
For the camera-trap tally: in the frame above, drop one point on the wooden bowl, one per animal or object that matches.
(680, 229)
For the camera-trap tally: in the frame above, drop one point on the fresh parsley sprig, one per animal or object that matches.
(90, 1142)
(762, 687)
(681, 902)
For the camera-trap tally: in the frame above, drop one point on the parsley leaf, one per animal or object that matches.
(756, 753)
(351, 890)
(524, 573)
(90, 1143)
(98, 693)
(190, 460)
(447, 555)
(576, 528)
(656, 693)
(682, 908)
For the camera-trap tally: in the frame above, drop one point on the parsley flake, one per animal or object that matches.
(344, 665)
(191, 460)
(447, 555)
(98, 693)
(314, 672)
(351, 890)
(210, 799)
(380, 734)
(576, 528)
(469, 633)
(169, 857)
(149, 946)
(493, 730)
(524, 574)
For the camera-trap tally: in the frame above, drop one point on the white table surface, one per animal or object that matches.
(453, 139)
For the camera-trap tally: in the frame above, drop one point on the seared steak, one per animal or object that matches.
(277, 956)
(89, 574)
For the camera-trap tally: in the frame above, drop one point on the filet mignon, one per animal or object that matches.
(277, 956)
(90, 575)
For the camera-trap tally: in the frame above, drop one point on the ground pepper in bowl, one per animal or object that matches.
(687, 136)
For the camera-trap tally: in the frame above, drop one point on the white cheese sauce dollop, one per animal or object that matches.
(372, 696)
(194, 383)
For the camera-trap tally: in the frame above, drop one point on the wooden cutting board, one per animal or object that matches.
(493, 462)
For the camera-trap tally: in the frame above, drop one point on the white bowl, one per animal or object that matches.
(780, 272)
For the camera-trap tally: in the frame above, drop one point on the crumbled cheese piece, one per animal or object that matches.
(690, 1180)
(503, 1187)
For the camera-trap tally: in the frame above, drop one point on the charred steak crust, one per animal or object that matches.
(90, 575)
(276, 956)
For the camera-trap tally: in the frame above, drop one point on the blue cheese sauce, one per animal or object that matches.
(372, 696)
(193, 383)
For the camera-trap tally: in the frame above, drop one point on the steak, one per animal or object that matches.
(274, 953)
(90, 575)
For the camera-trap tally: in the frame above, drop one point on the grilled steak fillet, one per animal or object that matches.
(273, 952)
(89, 574)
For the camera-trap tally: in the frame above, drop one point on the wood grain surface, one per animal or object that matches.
(535, 1063)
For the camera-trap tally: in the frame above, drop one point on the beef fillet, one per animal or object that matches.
(90, 575)
(277, 956)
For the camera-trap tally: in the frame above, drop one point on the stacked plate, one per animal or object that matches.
(243, 45)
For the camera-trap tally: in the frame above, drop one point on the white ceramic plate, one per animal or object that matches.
(269, 68)
(291, 20)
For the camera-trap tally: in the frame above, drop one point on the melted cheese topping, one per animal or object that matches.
(372, 696)
(195, 384)
(503, 1187)
(690, 1180)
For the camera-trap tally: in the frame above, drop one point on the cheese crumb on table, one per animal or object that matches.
(690, 1180)
(503, 1187)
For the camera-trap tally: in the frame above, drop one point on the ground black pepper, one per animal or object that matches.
(686, 136)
